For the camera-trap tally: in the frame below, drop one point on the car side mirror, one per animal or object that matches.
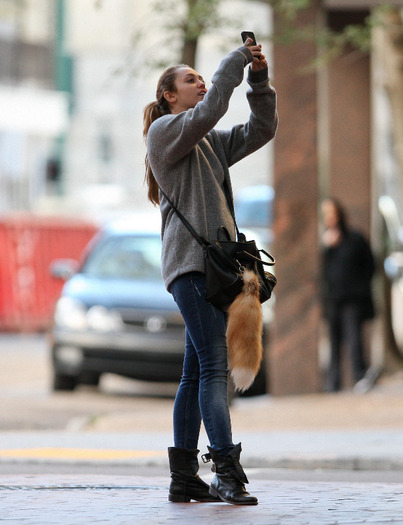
(63, 268)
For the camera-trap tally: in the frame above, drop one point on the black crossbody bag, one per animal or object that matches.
(226, 260)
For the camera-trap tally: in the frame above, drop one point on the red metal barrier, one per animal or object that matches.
(28, 244)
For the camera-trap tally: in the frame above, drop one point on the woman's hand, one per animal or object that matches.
(259, 61)
(331, 237)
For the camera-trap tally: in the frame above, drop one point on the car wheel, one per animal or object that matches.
(64, 382)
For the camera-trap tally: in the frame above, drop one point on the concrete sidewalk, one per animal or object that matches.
(335, 431)
(143, 501)
(338, 431)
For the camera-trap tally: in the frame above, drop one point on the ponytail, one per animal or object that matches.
(152, 112)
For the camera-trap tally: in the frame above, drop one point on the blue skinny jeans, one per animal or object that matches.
(203, 389)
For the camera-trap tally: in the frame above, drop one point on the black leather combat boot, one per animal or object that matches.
(185, 483)
(229, 479)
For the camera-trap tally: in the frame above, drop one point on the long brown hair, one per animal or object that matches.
(341, 213)
(155, 110)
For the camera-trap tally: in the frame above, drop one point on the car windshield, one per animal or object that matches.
(255, 213)
(126, 257)
(254, 206)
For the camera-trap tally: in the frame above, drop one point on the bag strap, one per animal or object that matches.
(202, 241)
(198, 238)
(267, 263)
(230, 202)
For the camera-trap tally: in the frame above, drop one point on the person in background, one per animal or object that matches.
(347, 270)
(188, 163)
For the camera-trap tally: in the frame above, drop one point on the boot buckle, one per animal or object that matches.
(206, 457)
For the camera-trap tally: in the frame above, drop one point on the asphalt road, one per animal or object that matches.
(29, 403)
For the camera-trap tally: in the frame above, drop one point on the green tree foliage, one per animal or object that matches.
(185, 21)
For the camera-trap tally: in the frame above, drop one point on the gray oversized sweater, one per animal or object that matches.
(190, 161)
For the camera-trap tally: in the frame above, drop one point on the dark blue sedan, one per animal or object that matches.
(114, 314)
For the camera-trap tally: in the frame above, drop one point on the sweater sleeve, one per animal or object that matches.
(244, 139)
(172, 137)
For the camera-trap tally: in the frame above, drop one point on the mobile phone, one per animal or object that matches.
(248, 34)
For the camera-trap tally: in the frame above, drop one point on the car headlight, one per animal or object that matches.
(101, 319)
(71, 314)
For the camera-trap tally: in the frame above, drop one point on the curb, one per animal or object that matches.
(352, 463)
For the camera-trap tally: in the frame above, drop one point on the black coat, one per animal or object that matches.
(347, 272)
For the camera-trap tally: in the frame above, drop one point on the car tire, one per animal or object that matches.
(64, 382)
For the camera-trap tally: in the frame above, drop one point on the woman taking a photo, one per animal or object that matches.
(189, 161)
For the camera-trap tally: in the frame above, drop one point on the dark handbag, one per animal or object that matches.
(225, 262)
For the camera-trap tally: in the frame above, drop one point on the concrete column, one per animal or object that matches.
(345, 171)
(349, 133)
(293, 354)
(350, 127)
